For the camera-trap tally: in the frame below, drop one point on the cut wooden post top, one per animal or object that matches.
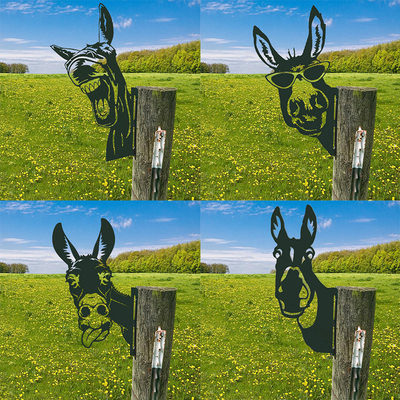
(161, 89)
(359, 88)
(160, 289)
(356, 288)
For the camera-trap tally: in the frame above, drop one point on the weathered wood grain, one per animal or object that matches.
(355, 308)
(356, 108)
(155, 108)
(155, 308)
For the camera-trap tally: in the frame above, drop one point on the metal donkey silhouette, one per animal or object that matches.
(307, 102)
(296, 285)
(96, 299)
(95, 71)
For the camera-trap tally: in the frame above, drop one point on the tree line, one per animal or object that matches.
(184, 258)
(214, 68)
(382, 258)
(384, 58)
(215, 268)
(181, 258)
(181, 58)
(13, 268)
(13, 68)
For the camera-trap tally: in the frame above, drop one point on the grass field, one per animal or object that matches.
(51, 147)
(249, 153)
(230, 342)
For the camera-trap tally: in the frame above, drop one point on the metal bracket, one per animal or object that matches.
(157, 361)
(157, 162)
(134, 107)
(134, 295)
(356, 361)
(335, 297)
(358, 161)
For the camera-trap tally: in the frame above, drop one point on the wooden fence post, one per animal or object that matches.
(355, 308)
(356, 108)
(155, 108)
(155, 308)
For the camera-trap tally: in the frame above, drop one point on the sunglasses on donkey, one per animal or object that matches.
(312, 73)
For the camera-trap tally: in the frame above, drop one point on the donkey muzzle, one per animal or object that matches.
(293, 293)
(307, 108)
(94, 319)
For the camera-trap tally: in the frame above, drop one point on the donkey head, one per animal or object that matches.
(295, 280)
(307, 102)
(95, 71)
(89, 280)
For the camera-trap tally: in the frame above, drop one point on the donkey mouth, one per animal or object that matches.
(309, 124)
(91, 335)
(100, 94)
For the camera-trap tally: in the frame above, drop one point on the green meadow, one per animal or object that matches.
(51, 148)
(249, 153)
(230, 341)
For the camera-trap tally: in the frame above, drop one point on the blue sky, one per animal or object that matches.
(238, 233)
(29, 27)
(26, 228)
(226, 27)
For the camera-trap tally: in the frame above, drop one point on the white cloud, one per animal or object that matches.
(193, 3)
(237, 207)
(158, 20)
(17, 40)
(122, 23)
(248, 7)
(216, 6)
(240, 260)
(16, 240)
(364, 19)
(161, 220)
(363, 220)
(324, 222)
(216, 40)
(329, 21)
(17, 6)
(39, 6)
(216, 241)
(121, 223)
(39, 259)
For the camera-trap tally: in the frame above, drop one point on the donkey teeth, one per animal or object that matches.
(89, 87)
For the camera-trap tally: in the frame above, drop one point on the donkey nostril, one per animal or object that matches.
(84, 311)
(102, 310)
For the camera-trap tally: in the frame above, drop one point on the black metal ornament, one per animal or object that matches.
(296, 285)
(307, 102)
(95, 71)
(97, 301)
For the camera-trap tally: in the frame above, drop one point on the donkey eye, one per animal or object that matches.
(314, 72)
(277, 253)
(281, 80)
(310, 253)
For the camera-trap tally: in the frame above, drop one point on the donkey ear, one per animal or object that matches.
(63, 52)
(316, 34)
(265, 50)
(278, 230)
(105, 241)
(63, 246)
(106, 28)
(309, 226)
